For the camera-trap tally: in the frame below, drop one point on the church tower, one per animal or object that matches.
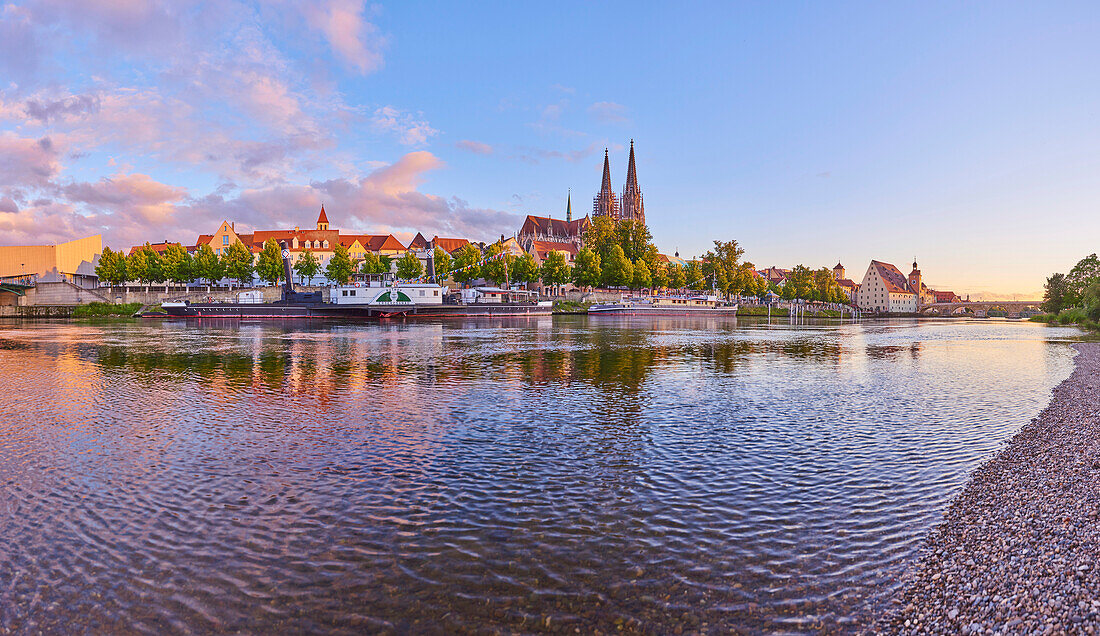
(838, 271)
(631, 203)
(605, 203)
(322, 219)
(569, 207)
(914, 281)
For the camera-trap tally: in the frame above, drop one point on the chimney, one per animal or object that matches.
(295, 229)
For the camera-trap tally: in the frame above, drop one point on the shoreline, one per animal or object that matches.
(1018, 550)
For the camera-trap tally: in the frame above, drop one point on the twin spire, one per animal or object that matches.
(630, 206)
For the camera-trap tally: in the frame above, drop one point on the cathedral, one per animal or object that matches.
(630, 205)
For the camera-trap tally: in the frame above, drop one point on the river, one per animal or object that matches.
(564, 474)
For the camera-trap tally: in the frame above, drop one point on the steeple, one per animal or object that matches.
(322, 219)
(569, 206)
(632, 206)
(605, 203)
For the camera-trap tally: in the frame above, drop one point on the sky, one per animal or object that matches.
(965, 135)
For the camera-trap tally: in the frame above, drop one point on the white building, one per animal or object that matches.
(886, 289)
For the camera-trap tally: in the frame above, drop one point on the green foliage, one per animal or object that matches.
(495, 267)
(441, 260)
(340, 267)
(465, 264)
(238, 263)
(570, 307)
(99, 310)
(1057, 294)
(524, 269)
(800, 284)
(762, 311)
(269, 267)
(587, 268)
(409, 266)
(659, 275)
(371, 264)
(307, 267)
(694, 277)
(642, 276)
(555, 270)
(721, 267)
(112, 267)
(676, 279)
(1079, 278)
(618, 271)
(144, 265)
(387, 262)
(176, 265)
(207, 266)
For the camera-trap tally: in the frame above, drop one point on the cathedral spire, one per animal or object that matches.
(605, 203)
(631, 201)
(569, 206)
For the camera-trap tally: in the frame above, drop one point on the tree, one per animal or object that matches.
(495, 266)
(825, 286)
(1079, 278)
(111, 267)
(465, 266)
(659, 275)
(524, 269)
(307, 266)
(601, 234)
(587, 268)
(1056, 294)
(618, 271)
(634, 238)
(176, 264)
(555, 270)
(137, 264)
(441, 261)
(642, 276)
(238, 263)
(269, 266)
(800, 283)
(206, 265)
(340, 267)
(694, 278)
(675, 276)
(154, 269)
(409, 266)
(371, 264)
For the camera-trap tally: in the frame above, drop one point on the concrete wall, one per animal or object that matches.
(61, 294)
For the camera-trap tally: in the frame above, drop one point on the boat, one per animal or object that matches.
(699, 305)
(370, 297)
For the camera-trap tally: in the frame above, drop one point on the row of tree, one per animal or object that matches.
(1079, 288)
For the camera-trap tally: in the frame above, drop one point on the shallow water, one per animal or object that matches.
(549, 474)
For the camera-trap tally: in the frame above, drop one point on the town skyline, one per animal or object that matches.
(806, 136)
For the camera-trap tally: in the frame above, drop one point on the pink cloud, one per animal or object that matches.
(28, 161)
(354, 39)
(408, 128)
(476, 147)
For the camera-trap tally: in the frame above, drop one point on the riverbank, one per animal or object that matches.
(1019, 550)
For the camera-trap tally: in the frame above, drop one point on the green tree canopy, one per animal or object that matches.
(269, 267)
(1083, 274)
(642, 276)
(618, 271)
(206, 265)
(524, 269)
(660, 275)
(371, 264)
(409, 266)
(176, 264)
(587, 268)
(465, 264)
(111, 267)
(495, 266)
(555, 270)
(308, 266)
(238, 263)
(675, 276)
(340, 267)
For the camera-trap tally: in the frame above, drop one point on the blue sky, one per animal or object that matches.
(964, 135)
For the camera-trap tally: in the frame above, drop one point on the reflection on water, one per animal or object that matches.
(534, 475)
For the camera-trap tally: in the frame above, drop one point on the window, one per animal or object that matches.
(435, 293)
(325, 245)
(225, 239)
(345, 293)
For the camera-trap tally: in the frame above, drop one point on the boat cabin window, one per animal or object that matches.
(344, 292)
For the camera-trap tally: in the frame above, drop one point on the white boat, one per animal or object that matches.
(668, 306)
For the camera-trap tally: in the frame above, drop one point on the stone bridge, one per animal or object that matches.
(1014, 308)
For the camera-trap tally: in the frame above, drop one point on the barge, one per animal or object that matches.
(667, 306)
(379, 298)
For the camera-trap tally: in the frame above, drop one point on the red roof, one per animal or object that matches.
(156, 247)
(374, 242)
(542, 248)
(450, 245)
(554, 227)
(846, 282)
(946, 297)
(418, 242)
(895, 281)
(322, 218)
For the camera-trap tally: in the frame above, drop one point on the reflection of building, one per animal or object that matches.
(73, 261)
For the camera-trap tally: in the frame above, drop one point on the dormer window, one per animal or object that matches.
(325, 245)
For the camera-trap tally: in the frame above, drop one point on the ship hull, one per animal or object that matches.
(647, 310)
(235, 311)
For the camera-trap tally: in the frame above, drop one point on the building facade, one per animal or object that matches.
(885, 289)
(73, 261)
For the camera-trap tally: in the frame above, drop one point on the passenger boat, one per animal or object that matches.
(377, 297)
(668, 306)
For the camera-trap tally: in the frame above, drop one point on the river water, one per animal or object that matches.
(563, 474)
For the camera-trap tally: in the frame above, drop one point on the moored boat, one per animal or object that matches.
(668, 306)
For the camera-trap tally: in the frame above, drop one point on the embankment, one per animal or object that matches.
(1019, 550)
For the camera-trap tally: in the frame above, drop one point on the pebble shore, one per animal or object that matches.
(1018, 551)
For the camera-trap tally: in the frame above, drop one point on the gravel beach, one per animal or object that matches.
(1018, 551)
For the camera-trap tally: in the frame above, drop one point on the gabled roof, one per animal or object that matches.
(891, 276)
(542, 248)
(418, 242)
(554, 227)
(374, 242)
(846, 282)
(204, 239)
(450, 245)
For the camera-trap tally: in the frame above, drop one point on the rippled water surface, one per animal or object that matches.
(540, 475)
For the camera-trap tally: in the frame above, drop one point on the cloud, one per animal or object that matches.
(27, 161)
(73, 105)
(476, 147)
(535, 155)
(409, 129)
(608, 113)
(354, 39)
